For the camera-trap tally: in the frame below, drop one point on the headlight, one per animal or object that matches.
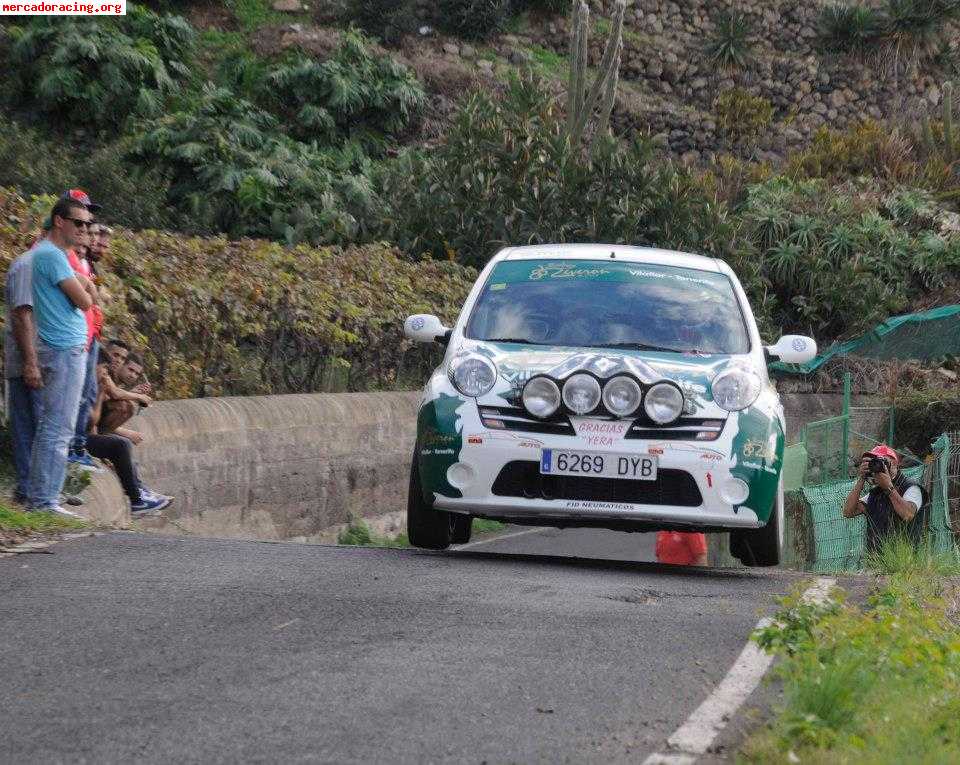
(581, 393)
(663, 403)
(621, 396)
(541, 397)
(473, 376)
(735, 389)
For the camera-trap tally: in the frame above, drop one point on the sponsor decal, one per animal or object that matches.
(755, 466)
(530, 444)
(434, 437)
(587, 505)
(709, 481)
(474, 439)
(756, 449)
(601, 432)
(565, 271)
(643, 273)
(799, 344)
(712, 456)
(417, 324)
(654, 450)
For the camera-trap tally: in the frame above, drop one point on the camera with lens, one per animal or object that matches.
(877, 465)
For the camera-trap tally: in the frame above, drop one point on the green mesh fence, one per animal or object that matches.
(921, 336)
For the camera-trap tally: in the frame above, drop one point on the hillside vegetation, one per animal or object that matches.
(318, 184)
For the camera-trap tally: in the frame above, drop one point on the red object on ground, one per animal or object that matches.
(681, 548)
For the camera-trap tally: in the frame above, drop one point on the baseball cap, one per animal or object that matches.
(81, 196)
(882, 450)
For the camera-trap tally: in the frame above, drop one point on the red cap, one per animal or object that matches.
(882, 450)
(81, 196)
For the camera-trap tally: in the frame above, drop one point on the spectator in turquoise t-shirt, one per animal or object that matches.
(59, 298)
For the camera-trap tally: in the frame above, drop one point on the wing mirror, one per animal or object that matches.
(425, 328)
(792, 349)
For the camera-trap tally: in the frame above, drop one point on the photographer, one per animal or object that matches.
(893, 503)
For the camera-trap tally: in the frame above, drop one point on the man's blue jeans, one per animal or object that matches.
(63, 371)
(87, 399)
(24, 407)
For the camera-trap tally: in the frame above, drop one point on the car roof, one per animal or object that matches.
(623, 252)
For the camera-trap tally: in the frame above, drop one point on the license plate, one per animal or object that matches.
(635, 467)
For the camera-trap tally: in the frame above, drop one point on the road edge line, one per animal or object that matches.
(701, 728)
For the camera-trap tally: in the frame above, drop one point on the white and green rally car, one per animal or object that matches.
(602, 385)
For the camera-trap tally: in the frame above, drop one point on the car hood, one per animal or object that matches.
(517, 363)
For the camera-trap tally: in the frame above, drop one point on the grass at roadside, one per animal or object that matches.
(358, 533)
(871, 683)
(33, 523)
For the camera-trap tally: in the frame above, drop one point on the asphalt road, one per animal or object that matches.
(127, 647)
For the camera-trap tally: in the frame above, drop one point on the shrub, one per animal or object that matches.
(98, 73)
(841, 258)
(473, 19)
(35, 164)
(742, 116)
(868, 148)
(917, 27)
(729, 45)
(388, 20)
(849, 28)
(507, 174)
(230, 169)
(354, 95)
(252, 317)
(922, 415)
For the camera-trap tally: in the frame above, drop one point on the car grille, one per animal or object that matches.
(522, 478)
(514, 418)
(685, 429)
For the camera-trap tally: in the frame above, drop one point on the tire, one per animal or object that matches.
(426, 527)
(761, 547)
(461, 527)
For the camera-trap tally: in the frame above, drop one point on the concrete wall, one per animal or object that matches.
(274, 467)
(292, 467)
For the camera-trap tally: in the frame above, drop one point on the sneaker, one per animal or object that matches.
(58, 510)
(71, 499)
(149, 504)
(84, 461)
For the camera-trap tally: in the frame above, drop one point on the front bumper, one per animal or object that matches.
(701, 468)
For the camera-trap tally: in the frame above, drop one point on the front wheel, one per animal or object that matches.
(761, 547)
(426, 527)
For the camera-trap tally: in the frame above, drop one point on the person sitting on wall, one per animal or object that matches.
(122, 402)
(119, 450)
(894, 503)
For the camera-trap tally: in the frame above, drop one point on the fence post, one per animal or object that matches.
(892, 427)
(844, 455)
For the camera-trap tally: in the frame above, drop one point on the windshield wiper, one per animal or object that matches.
(641, 347)
(510, 340)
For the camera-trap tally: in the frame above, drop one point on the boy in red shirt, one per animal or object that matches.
(682, 548)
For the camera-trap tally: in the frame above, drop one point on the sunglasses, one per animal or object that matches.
(80, 223)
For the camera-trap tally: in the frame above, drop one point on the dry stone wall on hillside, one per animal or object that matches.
(672, 85)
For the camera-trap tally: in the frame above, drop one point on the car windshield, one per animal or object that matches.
(609, 304)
